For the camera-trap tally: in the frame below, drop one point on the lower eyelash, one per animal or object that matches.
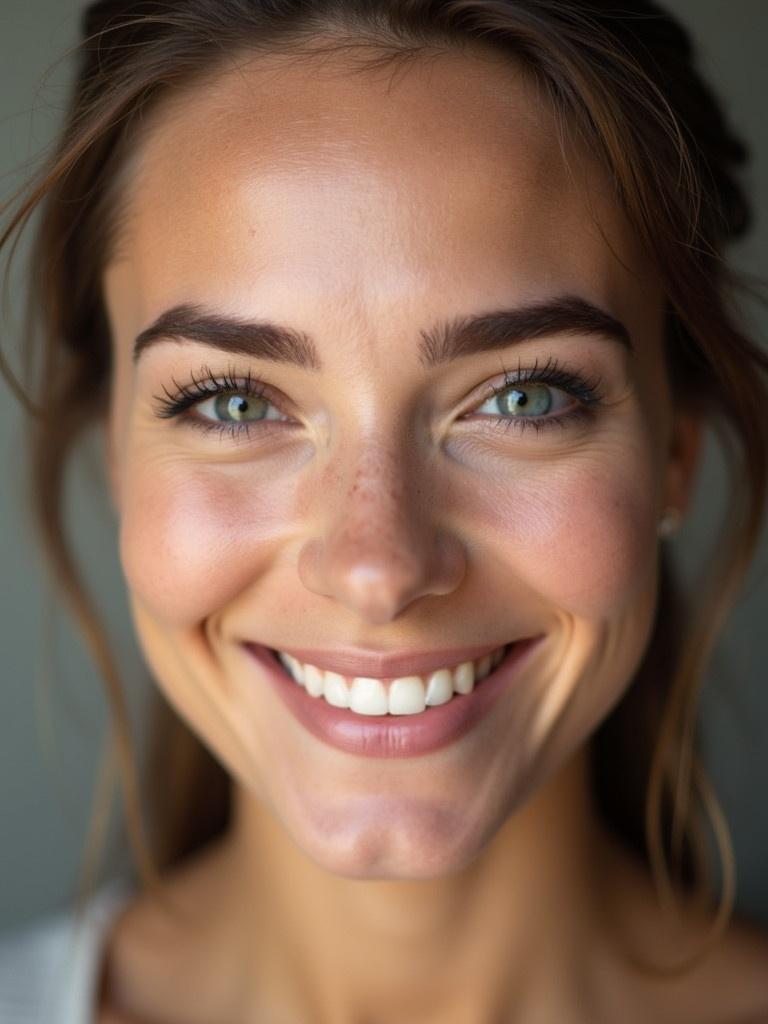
(523, 423)
(238, 432)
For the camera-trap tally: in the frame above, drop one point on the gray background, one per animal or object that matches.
(52, 708)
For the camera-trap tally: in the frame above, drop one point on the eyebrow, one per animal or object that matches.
(443, 342)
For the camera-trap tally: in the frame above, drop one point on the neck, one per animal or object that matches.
(508, 930)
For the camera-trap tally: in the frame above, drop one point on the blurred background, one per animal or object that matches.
(53, 713)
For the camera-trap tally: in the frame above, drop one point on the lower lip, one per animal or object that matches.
(395, 735)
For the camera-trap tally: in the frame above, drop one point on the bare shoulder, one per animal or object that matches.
(727, 985)
(740, 965)
(151, 954)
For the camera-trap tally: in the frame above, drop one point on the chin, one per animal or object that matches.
(393, 842)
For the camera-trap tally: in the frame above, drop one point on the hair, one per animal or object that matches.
(624, 79)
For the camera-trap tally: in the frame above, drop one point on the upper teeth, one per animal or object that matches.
(405, 695)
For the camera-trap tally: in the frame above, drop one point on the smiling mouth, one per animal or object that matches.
(357, 719)
(403, 695)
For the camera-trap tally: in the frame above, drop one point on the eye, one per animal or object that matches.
(219, 403)
(530, 399)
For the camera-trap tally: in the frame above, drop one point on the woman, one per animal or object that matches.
(403, 324)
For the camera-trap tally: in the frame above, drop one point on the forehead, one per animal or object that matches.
(447, 172)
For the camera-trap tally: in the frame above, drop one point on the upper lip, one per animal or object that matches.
(350, 662)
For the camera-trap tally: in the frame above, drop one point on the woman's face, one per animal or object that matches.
(377, 497)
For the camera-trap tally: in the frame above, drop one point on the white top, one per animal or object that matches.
(48, 969)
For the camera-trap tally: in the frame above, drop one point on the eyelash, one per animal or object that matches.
(175, 404)
(585, 388)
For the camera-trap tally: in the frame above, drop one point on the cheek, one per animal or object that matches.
(581, 536)
(190, 542)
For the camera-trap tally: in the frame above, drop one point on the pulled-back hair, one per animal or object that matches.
(623, 78)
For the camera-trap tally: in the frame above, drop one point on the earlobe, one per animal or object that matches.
(683, 459)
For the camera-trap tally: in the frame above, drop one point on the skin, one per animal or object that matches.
(468, 884)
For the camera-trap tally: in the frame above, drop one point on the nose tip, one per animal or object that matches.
(380, 572)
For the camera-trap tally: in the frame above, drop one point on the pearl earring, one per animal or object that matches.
(669, 522)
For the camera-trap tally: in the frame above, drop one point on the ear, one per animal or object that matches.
(683, 458)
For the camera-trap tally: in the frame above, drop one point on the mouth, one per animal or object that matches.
(376, 731)
(391, 695)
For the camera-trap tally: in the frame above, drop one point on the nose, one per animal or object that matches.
(382, 546)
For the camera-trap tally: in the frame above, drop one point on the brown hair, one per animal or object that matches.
(625, 80)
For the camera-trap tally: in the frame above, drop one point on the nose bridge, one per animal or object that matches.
(380, 525)
(380, 546)
(378, 476)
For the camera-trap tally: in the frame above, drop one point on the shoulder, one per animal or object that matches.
(32, 962)
(46, 965)
(727, 985)
(158, 948)
(740, 970)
